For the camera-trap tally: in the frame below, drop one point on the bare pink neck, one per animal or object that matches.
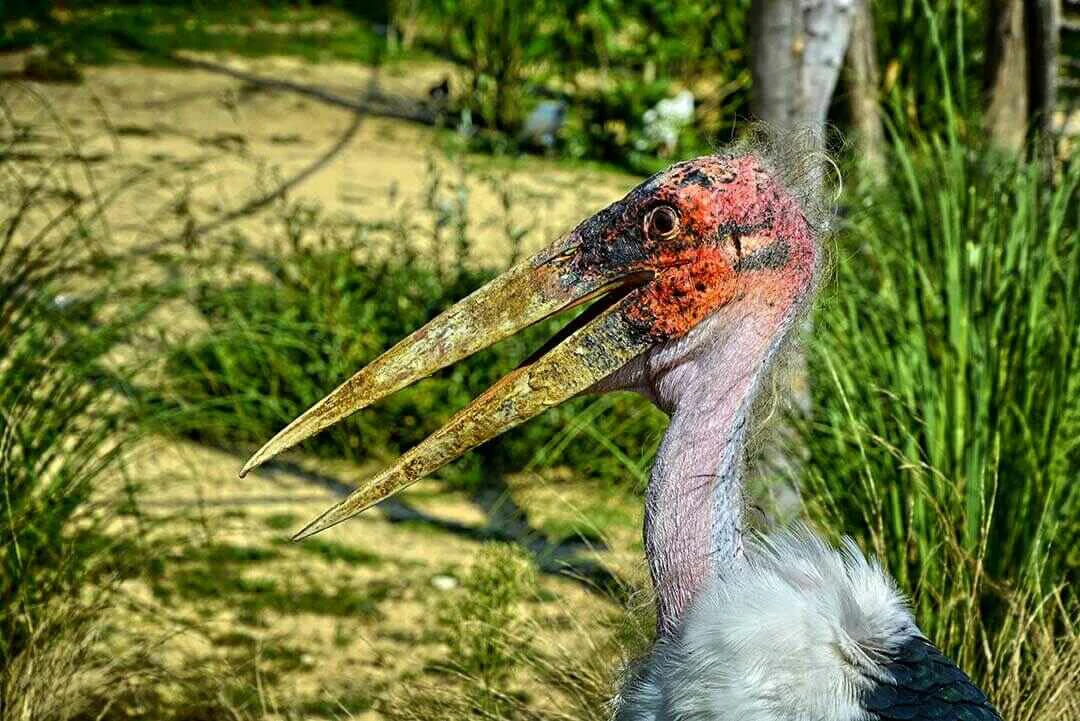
(693, 504)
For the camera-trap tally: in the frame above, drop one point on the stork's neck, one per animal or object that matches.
(693, 509)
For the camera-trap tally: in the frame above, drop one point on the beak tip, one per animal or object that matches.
(270, 449)
(343, 511)
(252, 463)
(317, 526)
(297, 431)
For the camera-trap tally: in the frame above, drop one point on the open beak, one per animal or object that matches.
(593, 346)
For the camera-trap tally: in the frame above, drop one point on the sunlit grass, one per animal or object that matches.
(63, 423)
(946, 408)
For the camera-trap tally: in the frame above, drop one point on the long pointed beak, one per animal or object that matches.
(595, 345)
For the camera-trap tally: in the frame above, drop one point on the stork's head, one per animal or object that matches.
(707, 234)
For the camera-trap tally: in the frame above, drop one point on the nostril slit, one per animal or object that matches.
(700, 287)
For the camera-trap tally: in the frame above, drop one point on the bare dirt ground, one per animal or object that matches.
(210, 143)
(337, 626)
(233, 614)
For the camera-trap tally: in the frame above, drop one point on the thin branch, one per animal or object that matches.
(192, 232)
(375, 103)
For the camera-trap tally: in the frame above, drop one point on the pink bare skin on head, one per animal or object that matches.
(731, 217)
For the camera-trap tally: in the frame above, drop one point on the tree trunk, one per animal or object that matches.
(1007, 75)
(774, 25)
(864, 83)
(1043, 28)
(798, 49)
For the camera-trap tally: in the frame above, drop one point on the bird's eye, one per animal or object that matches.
(662, 223)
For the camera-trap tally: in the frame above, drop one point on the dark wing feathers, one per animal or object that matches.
(926, 686)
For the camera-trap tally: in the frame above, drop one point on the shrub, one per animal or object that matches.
(494, 40)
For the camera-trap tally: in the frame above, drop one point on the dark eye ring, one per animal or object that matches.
(662, 222)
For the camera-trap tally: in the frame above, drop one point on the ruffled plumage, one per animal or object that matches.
(799, 632)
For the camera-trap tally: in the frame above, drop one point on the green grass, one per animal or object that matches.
(484, 626)
(946, 403)
(219, 574)
(235, 638)
(223, 553)
(59, 428)
(332, 552)
(252, 597)
(64, 423)
(592, 516)
(282, 521)
(496, 665)
(342, 703)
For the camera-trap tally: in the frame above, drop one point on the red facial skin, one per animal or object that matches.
(682, 295)
(738, 231)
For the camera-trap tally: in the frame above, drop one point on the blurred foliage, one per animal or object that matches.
(608, 126)
(669, 39)
(96, 33)
(494, 41)
(608, 61)
(52, 64)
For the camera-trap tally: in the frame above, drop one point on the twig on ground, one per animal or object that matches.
(375, 103)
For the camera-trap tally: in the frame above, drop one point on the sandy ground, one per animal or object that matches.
(327, 630)
(337, 627)
(210, 143)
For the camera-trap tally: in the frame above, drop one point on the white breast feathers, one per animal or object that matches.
(799, 632)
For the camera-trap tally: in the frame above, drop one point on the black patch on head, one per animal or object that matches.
(649, 180)
(698, 177)
(924, 684)
(730, 228)
(771, 257)
(608, 240)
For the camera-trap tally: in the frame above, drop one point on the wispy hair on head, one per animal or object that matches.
(802, 158)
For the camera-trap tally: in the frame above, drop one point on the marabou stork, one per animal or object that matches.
(695, 279)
